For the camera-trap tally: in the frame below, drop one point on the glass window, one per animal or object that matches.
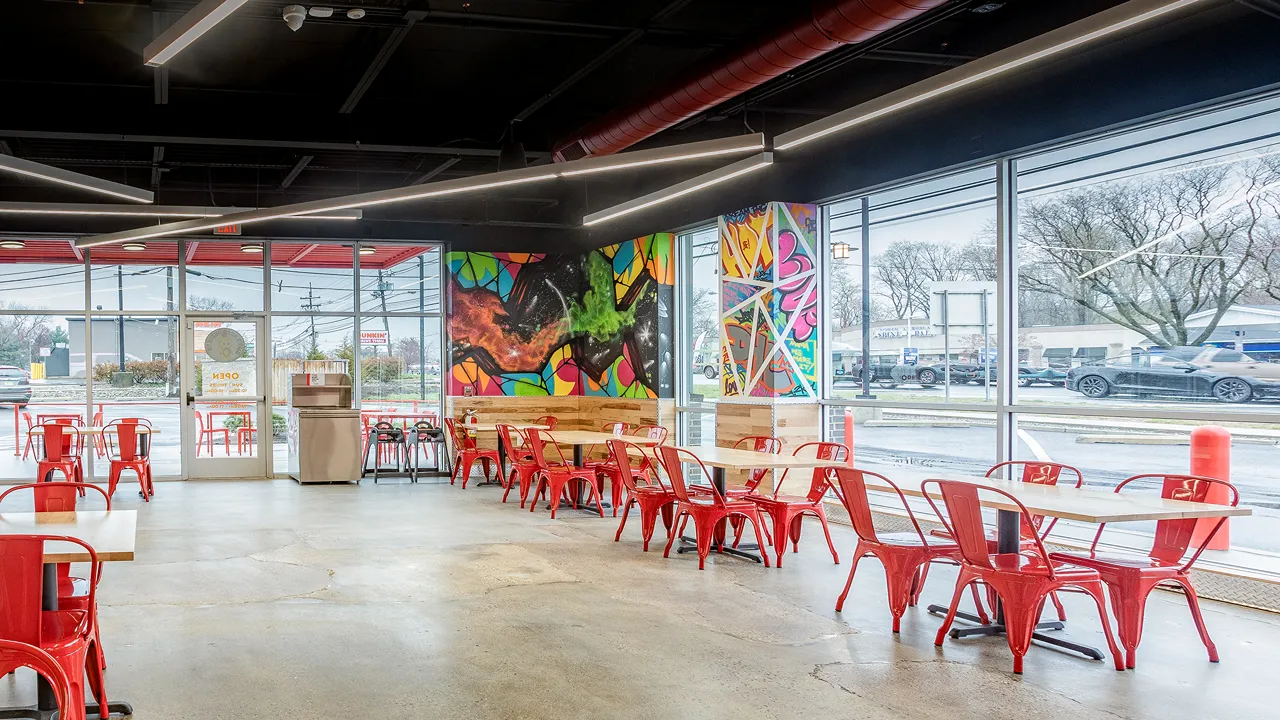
(308, 277)
(42, 373)
(144, 279)
(220, 276)
(1160, 239)
(700, 335)
(44, 275)
(400, 278)
(138, 379)
(400, 365)
(302, 344)
(908, 446)
(844, 299)
(933, 303)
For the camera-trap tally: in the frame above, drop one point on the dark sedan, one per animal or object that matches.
(15, 388)
(1221, 374)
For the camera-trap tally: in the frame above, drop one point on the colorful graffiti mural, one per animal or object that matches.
(769, 301)
(538, 324)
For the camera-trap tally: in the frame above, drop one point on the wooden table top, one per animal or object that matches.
(731, 459)
(1091, 505)
(94, 430)
(110, 532)
(595, 437)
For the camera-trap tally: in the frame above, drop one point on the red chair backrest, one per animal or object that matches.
(653, 432)
(1036, 473)
(619, 453)
(504, 437)
(1173, 537)
(672, 459)
(461, 439)
(15, 654)
(58, 496)
(27, 417)
(758, 443)
(538, 442)
(549, 420)
(21, 576)
(58, 436)
(963, 520)
(127, 446)
(821, 476)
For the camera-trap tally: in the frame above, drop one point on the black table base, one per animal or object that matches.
(1009, 540)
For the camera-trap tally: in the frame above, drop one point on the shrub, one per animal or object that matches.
(152, 372)
(382, 369)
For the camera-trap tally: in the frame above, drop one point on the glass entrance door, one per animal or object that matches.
(225, 386)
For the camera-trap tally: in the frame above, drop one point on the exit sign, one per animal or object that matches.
(227, 230)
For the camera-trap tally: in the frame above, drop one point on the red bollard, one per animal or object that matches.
(848, 433)
(1211, 457)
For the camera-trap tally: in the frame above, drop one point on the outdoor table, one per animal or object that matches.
(1089, 505)
(110, 533)
(721, 459)
(579, 438)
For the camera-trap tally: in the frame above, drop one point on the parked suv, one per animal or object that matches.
(15, 386)
(1199, 372)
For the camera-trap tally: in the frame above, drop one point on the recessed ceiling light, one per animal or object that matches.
(133, 246)
(12, 244)
(251, 248)
(355, 13)
(368, 249)
(320, 12)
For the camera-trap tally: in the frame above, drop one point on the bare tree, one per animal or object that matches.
(706, 314)
(907, 268)
(1200, 239)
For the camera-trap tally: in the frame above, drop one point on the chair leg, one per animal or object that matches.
(704, 528)
(1021, 614)
(1129, 603)
(900, 574)
(1095, 591)
(623, 523)
(1193, 602)
(794, 528)
(781, 523)
(858, 553)
(671, 537)
(822, 518)
(922, 574)
(1057, 605)
(963, 581)
(755, 524)
(465, 464)
(96, 678)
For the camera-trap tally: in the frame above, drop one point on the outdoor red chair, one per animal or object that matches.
(557, 478)
(14, 654)
(549, 421)
(67, 635)
(61, 440)
(98, 442)
(1037, 473)
(786, 512)
(246, 433)
(127, 454)
(1130, 578)
(1021, 580)
(466, 453)
(207, 433)
(31, 439)
(904, 555)
(642, 489)
(523, 466)
(708, 510)
(73, 592)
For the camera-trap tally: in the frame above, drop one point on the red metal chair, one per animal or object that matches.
(708, 510)
(129, 456)
(466, 453)
(1130, 578)
(1021, 580)
(549, 421)
(246, 433)
(904, 555)
(757, 443)
(557, 478)
(14, 654)
(98, 442)
(59, 496)
(786, 512)
(608, 469)
(60, 442)
(652, 497)
(208, 432)
(523, 466)
(31, 438)
(68, 636)
(1037, 473)
(617, 429)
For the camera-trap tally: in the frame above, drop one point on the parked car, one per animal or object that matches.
(707, 365)
(15, 386)
(1028, 376)
(1199, 372)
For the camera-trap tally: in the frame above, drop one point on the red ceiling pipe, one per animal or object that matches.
(827, 27)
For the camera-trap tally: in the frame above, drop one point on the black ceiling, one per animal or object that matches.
(253, 114)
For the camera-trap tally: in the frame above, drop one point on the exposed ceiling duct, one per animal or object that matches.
(830, 25)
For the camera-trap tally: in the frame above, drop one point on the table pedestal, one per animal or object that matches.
(1009, 540)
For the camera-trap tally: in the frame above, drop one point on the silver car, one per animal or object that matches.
(15, 386)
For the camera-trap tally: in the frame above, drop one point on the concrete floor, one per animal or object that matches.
(268, 600)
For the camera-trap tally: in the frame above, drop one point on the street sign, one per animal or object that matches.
(374, 337)
(910, 355)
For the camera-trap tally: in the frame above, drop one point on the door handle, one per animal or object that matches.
(191, 399)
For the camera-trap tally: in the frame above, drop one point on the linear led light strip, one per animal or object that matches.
(40, 171)
(689, 151)
(189, 27)
(1108, 22)
(692, 185)
(177, 211)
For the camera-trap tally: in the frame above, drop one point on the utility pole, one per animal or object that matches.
(311, 306)
(381, 294)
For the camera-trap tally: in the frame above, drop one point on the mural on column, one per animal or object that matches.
(544, 324)
(769, 301)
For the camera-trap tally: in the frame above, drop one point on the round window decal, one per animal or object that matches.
(224, 345)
